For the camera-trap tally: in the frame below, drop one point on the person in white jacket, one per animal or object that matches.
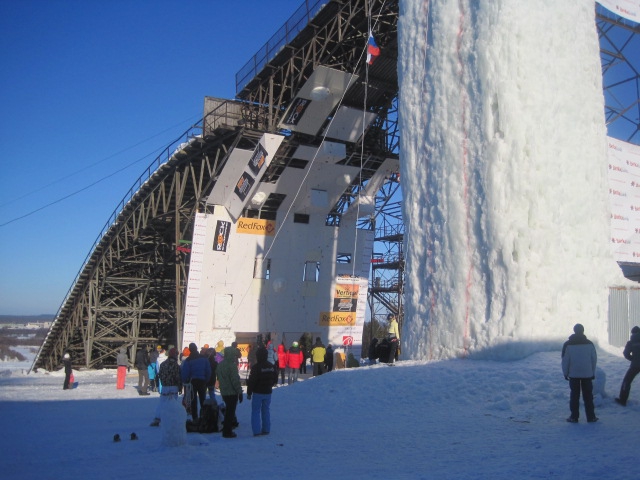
(579, 360)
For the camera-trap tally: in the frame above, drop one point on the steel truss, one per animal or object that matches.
(130, 290)
(620, 57)
(131, 287)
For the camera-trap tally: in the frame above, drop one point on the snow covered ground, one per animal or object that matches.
(462, 419)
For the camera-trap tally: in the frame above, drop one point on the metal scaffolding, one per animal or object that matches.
(131, 288)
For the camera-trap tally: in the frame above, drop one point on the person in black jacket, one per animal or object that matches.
(631, 353)
(141, 364)
(373, 351)
(260, 383)
(328, 359)
(211, 384)
(66, 360)
(383, 350)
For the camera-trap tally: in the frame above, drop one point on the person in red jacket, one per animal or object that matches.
(294, 360)
(282, 361)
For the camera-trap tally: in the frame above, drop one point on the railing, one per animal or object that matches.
(389, 230)
(282, 37)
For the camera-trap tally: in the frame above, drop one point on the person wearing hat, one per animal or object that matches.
(230, 390)
(317, 357)
(579, 360)
(185, 353)
(295, 358)
(632, 353)
(171, 379)
(262, 377)
(66, 360)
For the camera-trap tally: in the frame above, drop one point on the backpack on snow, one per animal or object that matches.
(209, 418)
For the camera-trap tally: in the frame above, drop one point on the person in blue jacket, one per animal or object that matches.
(632, 353)
(197, 371)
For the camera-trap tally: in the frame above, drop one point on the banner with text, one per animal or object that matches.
(192, 304)
(346, 321)
(624, 195)
(629, 9)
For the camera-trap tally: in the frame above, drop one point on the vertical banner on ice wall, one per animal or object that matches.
(624, 194)
(190, 324)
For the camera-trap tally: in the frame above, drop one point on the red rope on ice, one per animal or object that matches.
(464, 100)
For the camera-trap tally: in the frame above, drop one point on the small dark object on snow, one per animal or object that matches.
(116, 438)
(134, 436)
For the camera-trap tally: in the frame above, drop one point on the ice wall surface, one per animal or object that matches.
(503, 161)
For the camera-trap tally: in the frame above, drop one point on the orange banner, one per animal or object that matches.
(337, 319)
(256, 226)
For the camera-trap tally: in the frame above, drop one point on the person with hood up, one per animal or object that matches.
(230, 390)
(317, 357)
(272, 355)
(196, 370)
(282, 362)
(579, 360)
(295, 357)
(632, 353)
(122, 360)
(66, 360)
(259, 388)
(170, 376)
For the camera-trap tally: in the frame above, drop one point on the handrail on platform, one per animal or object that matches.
(285, 34)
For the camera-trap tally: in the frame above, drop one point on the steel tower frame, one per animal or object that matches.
(131, 288)
(620, 58)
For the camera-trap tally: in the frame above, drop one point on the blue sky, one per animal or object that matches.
(90, 88)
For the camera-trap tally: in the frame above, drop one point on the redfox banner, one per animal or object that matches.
(337, 319)
(256, 226)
